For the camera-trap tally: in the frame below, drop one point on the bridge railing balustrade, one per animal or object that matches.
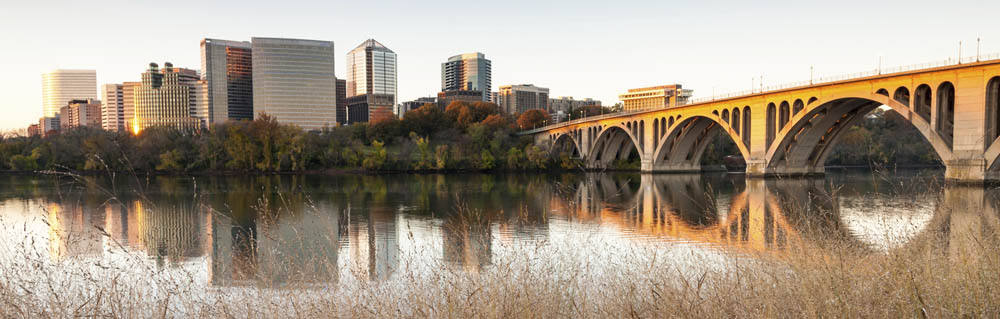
(766, 89)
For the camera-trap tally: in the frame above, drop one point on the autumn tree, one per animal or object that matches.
(532, 119)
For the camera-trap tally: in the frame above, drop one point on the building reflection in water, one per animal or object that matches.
(267, 229)
(374, 242)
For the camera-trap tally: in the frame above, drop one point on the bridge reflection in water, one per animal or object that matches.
(277, 233)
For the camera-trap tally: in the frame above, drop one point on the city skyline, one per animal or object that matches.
(710, 51)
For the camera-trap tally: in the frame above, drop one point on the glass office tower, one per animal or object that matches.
(467, 72)
(371, 69)
(293, 80)
(227, 68)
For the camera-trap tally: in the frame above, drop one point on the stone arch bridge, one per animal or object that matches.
(792, 131)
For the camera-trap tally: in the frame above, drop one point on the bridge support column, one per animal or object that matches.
(966, 170)
(756, 168)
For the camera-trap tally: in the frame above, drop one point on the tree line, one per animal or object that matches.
(464, 136)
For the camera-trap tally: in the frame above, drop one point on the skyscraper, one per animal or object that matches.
(61, 86)
(228, 71)
(467, 72)
(128, 104)
(294, 81)
(163, 99)
(371, 69)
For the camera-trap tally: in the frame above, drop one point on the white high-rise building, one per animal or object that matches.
(294, 81)
(113, 109)
(61, 86)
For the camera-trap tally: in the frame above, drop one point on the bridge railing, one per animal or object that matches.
(784, 86)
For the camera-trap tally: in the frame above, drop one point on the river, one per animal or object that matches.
(225, 231)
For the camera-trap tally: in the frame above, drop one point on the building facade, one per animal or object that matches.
(294, 81)
(341, 102)
(79, 113)
(61, 86)
(369, 107)
(656, 97)
(413, 105)
(445, 98)
(522, 97)
(128, 103)
(468, 72)
(371, 69)
(227, 68)
(113, 107)
(567, 104)
(162, 99)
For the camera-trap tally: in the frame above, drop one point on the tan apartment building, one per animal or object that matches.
(79, 113)
(516, 99)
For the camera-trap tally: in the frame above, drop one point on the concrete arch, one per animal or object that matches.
(615, 142)
(771, 127)
(682, 146)
(945, 111)
(922, 101)
(803, 147)
(563, 140)
(784, 114)
(902, 95)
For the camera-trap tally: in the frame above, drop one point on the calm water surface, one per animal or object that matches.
(231, 230)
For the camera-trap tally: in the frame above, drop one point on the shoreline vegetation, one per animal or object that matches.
(465, 137)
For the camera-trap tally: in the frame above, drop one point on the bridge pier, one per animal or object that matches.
(967, 171)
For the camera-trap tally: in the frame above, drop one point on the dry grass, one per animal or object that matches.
(942, 274)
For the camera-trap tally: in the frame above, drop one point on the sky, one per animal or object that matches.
(583, 48)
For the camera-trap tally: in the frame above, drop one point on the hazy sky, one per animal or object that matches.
(594, 49)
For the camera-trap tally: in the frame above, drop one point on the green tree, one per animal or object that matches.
(441, 156)
(376, 159)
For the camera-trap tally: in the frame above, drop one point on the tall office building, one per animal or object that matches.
(371, 70)
(294, 81)
(163, 99)
(468, 72)
(113, 109)
(228, 71)
(656, 97)
(61, 86)
(128, 104)
(523, 97)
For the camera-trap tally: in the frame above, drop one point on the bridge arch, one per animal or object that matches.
(902, 95)
(804, 146)
(565, 142)
(922, 102)
(946, 111)
(683, 145)
(771, 125)
(613, 143)
(993, 125)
